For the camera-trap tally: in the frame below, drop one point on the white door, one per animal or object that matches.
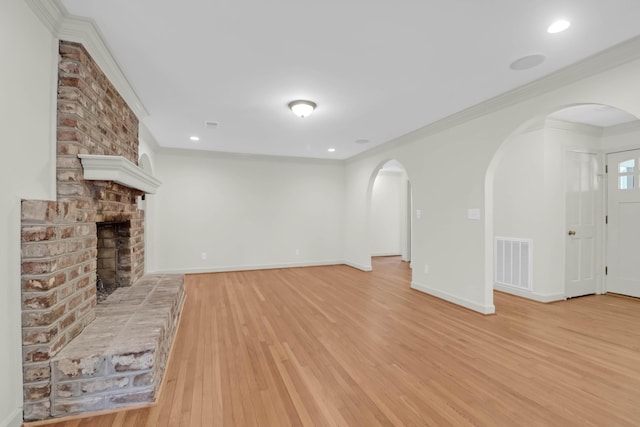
(623, 230)
(581, 224)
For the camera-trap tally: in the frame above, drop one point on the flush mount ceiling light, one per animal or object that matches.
(558, 26)
(302, 108)
(331, 150)
(194, 138)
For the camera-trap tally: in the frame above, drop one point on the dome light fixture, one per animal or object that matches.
(558, 26)
(302, 108)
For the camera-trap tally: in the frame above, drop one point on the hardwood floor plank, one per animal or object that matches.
(333, 346)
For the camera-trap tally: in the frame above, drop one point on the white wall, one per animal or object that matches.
(405, 222)
(246, 212)
(27, 171)
(446, 180)
(520, 198)
(449, 164)
(386, 213)
(148, 147)
(147, 144)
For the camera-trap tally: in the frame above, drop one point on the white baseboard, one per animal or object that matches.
(358, 266)
(224, 269)
(386, 254)
(529, 295)
(13, 420)
(484, 309)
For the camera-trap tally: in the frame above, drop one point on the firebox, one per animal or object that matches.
(113, 257)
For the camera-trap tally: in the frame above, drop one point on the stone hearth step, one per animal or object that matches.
(119, 359)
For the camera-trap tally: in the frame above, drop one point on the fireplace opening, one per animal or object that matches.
(114, 257)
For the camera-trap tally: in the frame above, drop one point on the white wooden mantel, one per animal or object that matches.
(118, 169)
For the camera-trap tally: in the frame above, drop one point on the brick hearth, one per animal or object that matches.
(119, 359)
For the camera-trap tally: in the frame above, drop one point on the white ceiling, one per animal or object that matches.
(377, 70)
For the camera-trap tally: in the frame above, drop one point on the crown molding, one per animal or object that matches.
(227, 155)
(574, 127)
(622, 129)
(51, 13)
(64, 26)
(608, 59)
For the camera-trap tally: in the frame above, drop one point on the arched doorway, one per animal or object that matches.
(389, 219)
(546, 187)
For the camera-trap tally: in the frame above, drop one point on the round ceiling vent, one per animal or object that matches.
(527, 62)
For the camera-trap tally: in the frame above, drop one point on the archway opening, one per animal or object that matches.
(546, 202)
(389, 217)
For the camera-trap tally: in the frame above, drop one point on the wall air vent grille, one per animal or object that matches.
(513, 262)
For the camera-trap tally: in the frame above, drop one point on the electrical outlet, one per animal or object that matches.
(418, 214)
(426, 269)
(297, 251)
(203, 255)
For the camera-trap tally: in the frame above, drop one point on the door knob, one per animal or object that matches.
(571, 233)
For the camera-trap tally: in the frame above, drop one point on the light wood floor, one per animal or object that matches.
(336, 346)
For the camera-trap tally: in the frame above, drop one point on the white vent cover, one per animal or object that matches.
(514, 261)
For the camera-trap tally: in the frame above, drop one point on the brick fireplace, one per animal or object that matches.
(62, 239)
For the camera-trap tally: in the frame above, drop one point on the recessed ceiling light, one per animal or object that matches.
(194, 138)
(331, 150)
(362, 141)
(558, 26)
(211, 124)
(527, 62)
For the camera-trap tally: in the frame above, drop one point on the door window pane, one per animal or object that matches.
(628, 166)
(627, 182)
